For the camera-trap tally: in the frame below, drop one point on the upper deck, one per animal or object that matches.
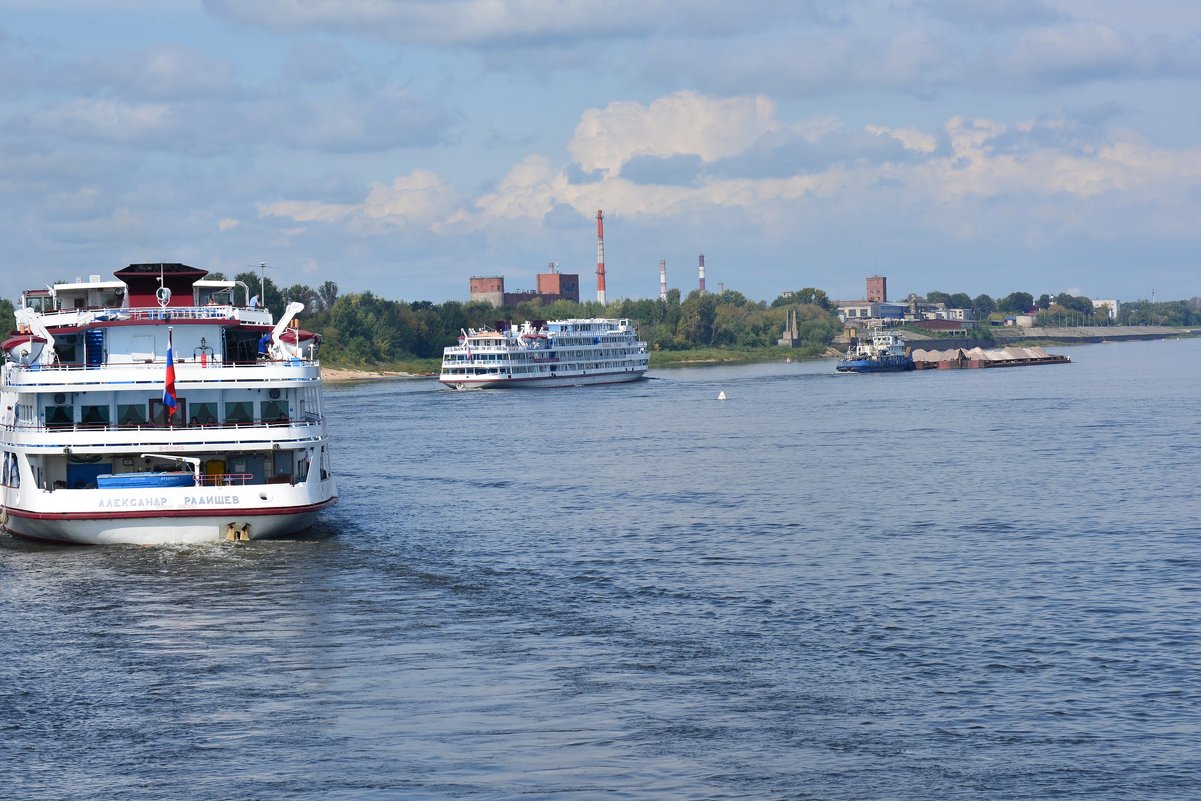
(96, 332)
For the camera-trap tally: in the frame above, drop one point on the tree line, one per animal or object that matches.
(1066, 309)
(365, 329)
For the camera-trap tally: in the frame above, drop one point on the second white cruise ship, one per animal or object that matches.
(560, 353)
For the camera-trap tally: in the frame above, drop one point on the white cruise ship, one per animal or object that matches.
(160, 408)
(561, 353)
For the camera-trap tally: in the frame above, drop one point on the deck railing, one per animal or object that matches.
(275, 422)
(224, 479)
(160, 363)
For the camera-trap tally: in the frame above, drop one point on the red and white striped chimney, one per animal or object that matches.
(702, 273)
(662, 279)
(600, 257)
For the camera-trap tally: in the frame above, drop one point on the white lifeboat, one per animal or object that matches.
(24, 348)
(298, 342)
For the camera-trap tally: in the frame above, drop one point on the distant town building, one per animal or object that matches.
(877, 307)
(1111, 307)
(565, 286)
(489, 289)
(943, 326)
(877, 289)
(870, 310)
(552, 285)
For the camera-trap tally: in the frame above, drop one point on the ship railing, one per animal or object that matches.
(160, 363)
(94, 314)
(274, 422)
(224, 479)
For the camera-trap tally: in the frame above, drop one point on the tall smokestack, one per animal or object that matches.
(662, 279)
(600, 257)
(702, 273)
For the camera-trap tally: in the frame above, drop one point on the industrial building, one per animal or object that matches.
(552, 285)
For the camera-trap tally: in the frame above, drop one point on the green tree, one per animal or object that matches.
(263, 286)
(697, 315)
(960, 300)
(1017, 302)
(299, 293)
(807, 295)
(329, 294)
(983, 306)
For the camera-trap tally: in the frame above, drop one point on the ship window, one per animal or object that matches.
(239, 411)
(275, 411)
(60, 416)
(130, 414)
(94, 416)
(158, 412)
(203, 414)
(282, 463)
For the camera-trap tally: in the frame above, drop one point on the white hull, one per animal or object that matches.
(178, 515)
(559, 353)
(158, 531)
(538, 383)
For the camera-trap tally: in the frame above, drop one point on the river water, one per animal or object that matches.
(977, 584)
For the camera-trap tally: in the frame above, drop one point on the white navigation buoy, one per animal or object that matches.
(721, 395)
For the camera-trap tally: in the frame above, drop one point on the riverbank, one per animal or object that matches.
(714, 356)
(337, 374)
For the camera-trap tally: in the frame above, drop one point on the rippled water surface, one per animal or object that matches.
(978, 584)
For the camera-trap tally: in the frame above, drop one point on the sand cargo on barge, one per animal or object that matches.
(963, 358)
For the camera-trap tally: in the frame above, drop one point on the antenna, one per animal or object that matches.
(263, 267)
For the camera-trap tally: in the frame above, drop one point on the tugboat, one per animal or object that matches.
(882, 352)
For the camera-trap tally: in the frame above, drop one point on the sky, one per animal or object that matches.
(402, 146)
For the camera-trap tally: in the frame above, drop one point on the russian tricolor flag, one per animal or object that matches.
(169, 387)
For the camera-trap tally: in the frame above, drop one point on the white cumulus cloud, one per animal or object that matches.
(684, 123)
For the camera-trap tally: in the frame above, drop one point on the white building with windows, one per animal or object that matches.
(1110, 305)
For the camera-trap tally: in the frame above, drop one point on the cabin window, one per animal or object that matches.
(281, 464)
(96, 416)
(203, 414)
(60, 416)
(274, 411)
(239, 411)
(131, 414)
(158, 412)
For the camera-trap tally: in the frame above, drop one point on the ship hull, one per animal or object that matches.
(881, 365)
(465, 383)
(161, 527)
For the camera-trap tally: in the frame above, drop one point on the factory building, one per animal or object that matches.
(552, 285)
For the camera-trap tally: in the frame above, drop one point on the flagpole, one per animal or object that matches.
(169, 401)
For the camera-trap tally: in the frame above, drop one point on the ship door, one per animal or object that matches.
(212, 469)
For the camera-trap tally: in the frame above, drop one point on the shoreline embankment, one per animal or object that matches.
(1001, 337)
